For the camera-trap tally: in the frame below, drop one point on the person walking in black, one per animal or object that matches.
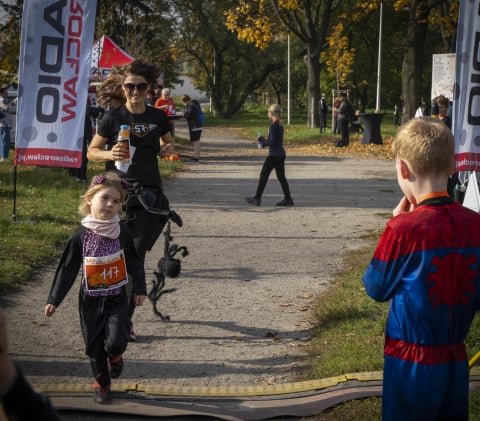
(275, 159)
(323, 110)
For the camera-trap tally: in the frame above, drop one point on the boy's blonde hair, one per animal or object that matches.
(99, 182)
(427, 144)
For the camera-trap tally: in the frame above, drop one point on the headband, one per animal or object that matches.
(100, 179)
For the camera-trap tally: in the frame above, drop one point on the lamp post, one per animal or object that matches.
(372, 121)
(379, 66)
(288, 79)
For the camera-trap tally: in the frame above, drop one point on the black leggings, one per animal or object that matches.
(104, 323)
(146, 227)
(277, 163)
(343, 123)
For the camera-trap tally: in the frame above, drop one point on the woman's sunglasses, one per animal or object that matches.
(141, 87)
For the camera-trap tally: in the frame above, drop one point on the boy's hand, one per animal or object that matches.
(403, 206)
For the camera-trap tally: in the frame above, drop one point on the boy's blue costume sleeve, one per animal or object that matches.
(427, 264)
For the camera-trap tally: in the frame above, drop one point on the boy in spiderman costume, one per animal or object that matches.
(427, 264)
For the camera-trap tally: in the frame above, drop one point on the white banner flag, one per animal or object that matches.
(466, 106)
(55, 54)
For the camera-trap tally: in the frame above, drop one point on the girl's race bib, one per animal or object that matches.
(105, 272)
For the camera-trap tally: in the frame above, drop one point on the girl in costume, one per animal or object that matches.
(104, 249)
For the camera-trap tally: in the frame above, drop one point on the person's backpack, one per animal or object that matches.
(201, 115)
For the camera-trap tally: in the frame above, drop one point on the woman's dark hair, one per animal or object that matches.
(110, 92)
(141, 67)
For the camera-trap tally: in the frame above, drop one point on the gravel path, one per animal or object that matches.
(242, 311)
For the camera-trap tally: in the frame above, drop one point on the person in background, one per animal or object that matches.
(357, 123)
(6, 111)
(157, 94)
(323, 111)
(110, 95)
(342, 121)
(80, 174)
(443, 110)
(192, 114)
(336, 104)
(419, 111)
(274, 161)
(150, 98)
(396, 116)
(149, 136)
(442, 105)
(166, 103)
(427, 264)
(105, 251)
(18, 399)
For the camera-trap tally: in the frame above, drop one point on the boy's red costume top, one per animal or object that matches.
(427, 264)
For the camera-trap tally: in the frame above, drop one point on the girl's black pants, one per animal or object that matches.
(105, 329)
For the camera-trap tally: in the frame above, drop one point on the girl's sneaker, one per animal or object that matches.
(116, 367)
(285, 202)
(253, 201)
(131, 336)
(101, 394)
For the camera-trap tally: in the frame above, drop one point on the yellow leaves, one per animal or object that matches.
(359, 10)
(399, 5)
(288, 4)
(445, 21)
(252, 20)
(339, 57)
(326, 147)
(251, 23)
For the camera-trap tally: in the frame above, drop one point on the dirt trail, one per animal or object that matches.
(242, 311)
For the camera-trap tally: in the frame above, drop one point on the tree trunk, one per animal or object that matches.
(412, 66)
(216, 82)
(313, 85)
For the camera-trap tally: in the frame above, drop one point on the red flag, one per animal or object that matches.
(111, 54)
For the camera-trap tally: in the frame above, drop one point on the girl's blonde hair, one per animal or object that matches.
(427, 145)
(99, 182)
(275, 109)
